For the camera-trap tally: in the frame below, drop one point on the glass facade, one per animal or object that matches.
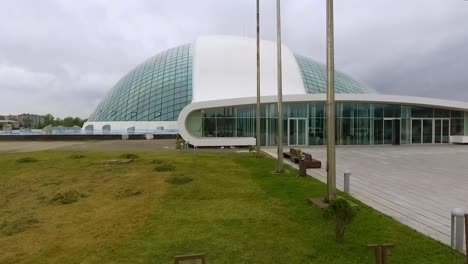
(356, 123)
(159, 88)
(314, 75)
(155, 90)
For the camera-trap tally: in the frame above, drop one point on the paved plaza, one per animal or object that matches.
(416, 185)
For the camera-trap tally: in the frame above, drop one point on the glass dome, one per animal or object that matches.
(159, 88)
(314, 75)
(156, 90)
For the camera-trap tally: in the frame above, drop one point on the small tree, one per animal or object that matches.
(343, 213)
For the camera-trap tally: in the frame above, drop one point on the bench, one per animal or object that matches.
(311, 163)
(292, 155)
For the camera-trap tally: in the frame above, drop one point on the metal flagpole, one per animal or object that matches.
(258, 80)
(279, 167)
(331, 155)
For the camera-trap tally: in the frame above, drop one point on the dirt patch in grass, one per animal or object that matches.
(26, 160)
(67, 197)
(129, 156)
(179, 179)
(76, 156)
(127, 192)
(8, 228)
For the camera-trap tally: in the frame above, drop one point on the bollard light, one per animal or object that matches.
(457, 232)
(347, 181)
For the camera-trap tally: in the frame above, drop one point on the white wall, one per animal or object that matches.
(225, 67)
(139, 125)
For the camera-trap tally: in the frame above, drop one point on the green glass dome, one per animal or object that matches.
(156, 90)
(314, 75)
(159, 88)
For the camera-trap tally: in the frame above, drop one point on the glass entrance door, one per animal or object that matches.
(446, 130)
(297, 131)
(416, 131)
(441, 130)
(391, 131)
(438, 131)
(427, 131)
(388, 131)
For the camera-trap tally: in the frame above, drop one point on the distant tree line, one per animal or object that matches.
(66, 122)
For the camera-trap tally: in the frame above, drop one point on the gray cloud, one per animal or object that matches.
(63, 56)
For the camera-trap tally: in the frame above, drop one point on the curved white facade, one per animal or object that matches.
(225, 67)
(358, 98)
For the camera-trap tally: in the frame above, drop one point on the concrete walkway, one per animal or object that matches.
(416, 185)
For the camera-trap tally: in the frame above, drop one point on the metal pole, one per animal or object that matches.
(466, 237)
(279, 167)
(331, 155)
(258, 80)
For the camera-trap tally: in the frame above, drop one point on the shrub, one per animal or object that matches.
(179, 141)
(179, 179)
(343, 213)
(26, 160)
(129, 156)
(251, 148)
(163, 167)
(66, 197)
(17, 226)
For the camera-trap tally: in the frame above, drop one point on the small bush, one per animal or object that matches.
(26, 160)
(163, 167)
(66, 198)
(179, 143)
(343, 213)
(76, 156)
(179, 179)
(251, 148)
(129, 156)
(17, 226)
(127, 192)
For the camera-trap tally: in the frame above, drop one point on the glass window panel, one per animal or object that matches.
(422, 112)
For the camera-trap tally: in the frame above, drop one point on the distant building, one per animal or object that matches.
(30, 120)
(3, 122)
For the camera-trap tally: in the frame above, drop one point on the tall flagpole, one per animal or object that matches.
(331, 155)
(279, 167)
(258, 80)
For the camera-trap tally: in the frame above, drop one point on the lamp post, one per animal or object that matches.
(331, 155)
(279, 167)
(258, 82)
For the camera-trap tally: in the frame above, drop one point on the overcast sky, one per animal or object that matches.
(61, 57)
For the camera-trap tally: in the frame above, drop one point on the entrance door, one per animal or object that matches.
(441, 130)
(446, 131)
(297, 131)
(388, 131)
(427, 131)
(416, 131)
(391, 131)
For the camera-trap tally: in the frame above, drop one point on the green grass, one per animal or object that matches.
(234, 209)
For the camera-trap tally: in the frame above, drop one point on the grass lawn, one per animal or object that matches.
(59, 207)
